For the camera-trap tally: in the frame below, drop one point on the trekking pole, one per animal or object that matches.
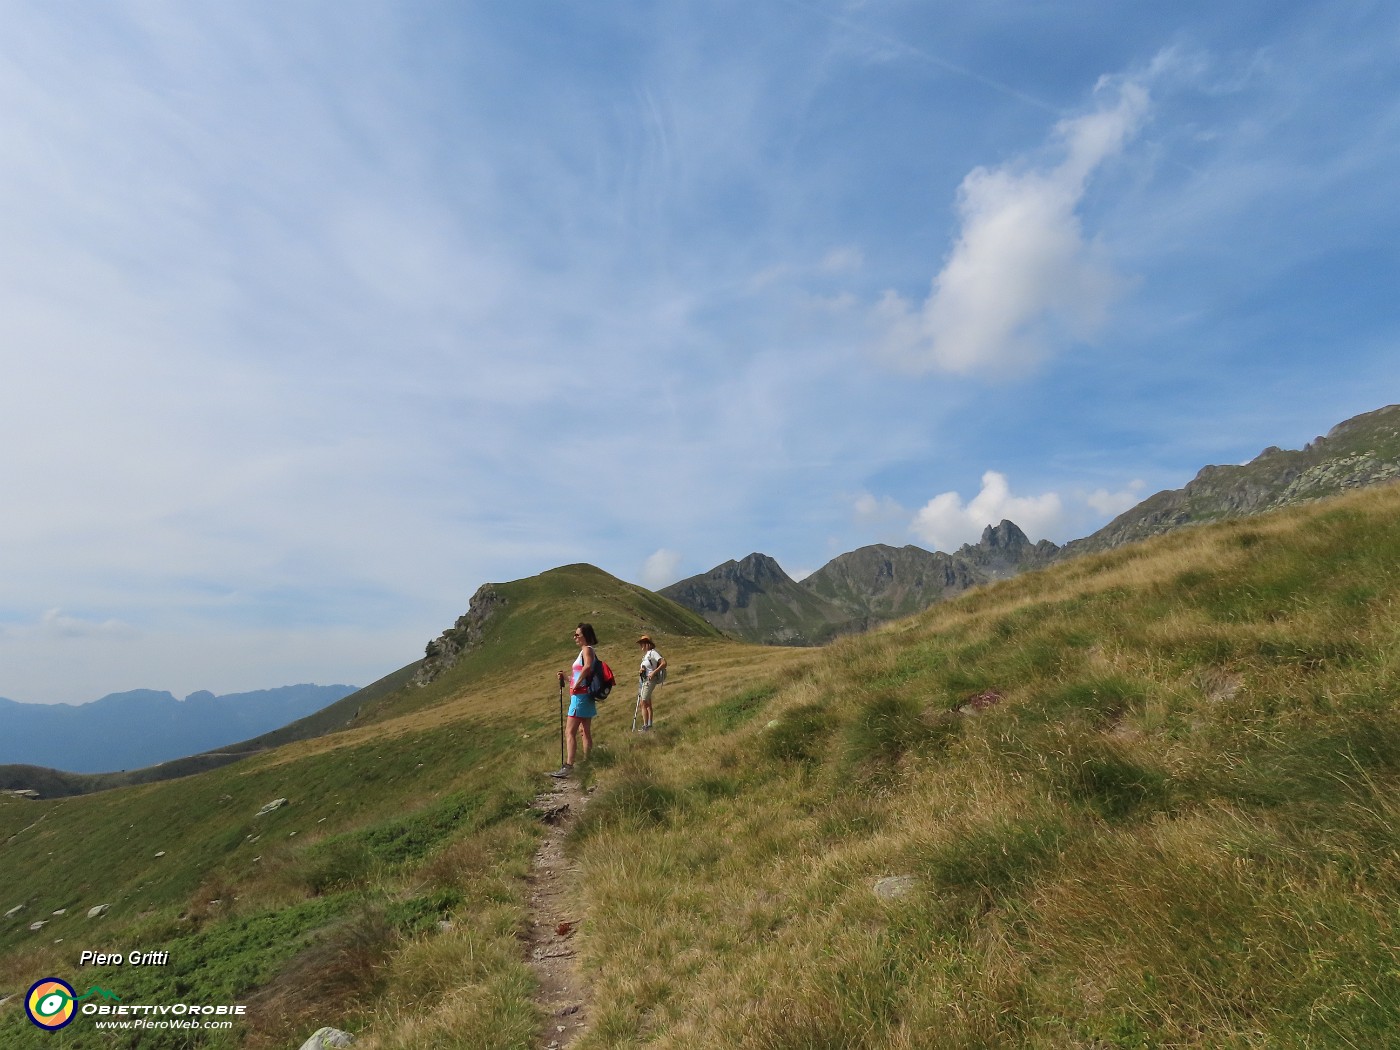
(637, 708)
(561, 724)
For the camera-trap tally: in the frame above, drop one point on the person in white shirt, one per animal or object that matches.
(653, 673)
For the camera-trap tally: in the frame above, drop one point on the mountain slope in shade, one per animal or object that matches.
(754, 599)
(880, 582)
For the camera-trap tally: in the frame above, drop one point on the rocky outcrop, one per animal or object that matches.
(1004, 550)
(443, 652)
(1361, 451)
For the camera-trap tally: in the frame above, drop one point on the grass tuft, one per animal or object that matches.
(632, 803)
(798, 736)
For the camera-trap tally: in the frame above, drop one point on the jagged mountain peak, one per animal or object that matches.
(1006, 536)
(760, 567)
(754, 599)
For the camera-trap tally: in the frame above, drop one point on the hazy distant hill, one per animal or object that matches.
(144, 727)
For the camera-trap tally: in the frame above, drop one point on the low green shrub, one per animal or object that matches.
(887, 727)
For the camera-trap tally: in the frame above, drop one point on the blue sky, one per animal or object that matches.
(314, 317)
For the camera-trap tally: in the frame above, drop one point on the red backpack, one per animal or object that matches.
(599, 682)
(603, 680)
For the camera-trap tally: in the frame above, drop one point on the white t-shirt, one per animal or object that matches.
(650, 661)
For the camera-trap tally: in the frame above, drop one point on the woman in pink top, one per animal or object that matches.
(582, 709)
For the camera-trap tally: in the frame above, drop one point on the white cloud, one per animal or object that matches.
(1022, 273)
(1112, 504)
(946, 522)
(661, 568)
(55, 623)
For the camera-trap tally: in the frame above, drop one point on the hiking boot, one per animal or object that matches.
(562, 772)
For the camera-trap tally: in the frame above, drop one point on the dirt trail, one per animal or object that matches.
(555, 917)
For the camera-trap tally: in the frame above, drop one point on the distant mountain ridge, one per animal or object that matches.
(755, 600)
(883, 582)
(1361, 451)
(143, 727)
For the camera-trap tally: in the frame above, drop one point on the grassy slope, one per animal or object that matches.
(1176, 827)
(327, 909)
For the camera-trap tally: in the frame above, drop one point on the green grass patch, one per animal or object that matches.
(798, 736)
(632, 802)
(887, 727)
(1098, 702)
(1114, 785)
(732, 712)
(989, 859)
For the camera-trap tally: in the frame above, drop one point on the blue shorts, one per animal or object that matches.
(582, 707)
